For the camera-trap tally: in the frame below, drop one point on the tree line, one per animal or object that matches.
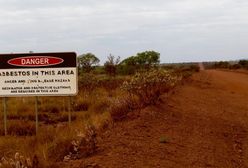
(225, 64)
(144, 60)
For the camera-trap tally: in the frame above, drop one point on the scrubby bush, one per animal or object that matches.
(100, 106)
(110, 83)
(99, 70)
(111, 65)
(185, 71)
(87, 82)
(50, 107)
(209, 65)
(121, 107)
(126, 69)
(16, 161)
(74, 147)
(244, 63)
(222, 64)
(20, 128)
(235, 66)
(81, 105)
(142, 60)
(59, 149)
(194, 68)
(149, 85)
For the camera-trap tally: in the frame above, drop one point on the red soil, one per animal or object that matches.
(205, 122)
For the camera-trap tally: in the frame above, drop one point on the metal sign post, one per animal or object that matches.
(69, 109)
(36, 115)
(5, 115)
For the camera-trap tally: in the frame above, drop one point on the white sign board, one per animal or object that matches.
(38, 74)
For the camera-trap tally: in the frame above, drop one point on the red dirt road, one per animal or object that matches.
(205, 123)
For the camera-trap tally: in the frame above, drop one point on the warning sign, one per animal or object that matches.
(38, 74)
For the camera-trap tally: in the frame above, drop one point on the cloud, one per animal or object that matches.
(181, 30)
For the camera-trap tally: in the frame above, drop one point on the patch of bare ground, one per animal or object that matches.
(203, 123)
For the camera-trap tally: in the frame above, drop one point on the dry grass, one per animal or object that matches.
(19, 128)
(54, 138)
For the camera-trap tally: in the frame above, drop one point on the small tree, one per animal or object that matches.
(86, 61)
(128, 66)
(111, 65)
(130, 61)
(148, 58)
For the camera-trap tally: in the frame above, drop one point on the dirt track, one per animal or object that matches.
(205, 122)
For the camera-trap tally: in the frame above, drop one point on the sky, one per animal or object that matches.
(180, 30)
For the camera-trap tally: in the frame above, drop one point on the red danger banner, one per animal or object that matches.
(35, 61)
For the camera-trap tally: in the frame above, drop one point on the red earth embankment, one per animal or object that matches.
(205, 124)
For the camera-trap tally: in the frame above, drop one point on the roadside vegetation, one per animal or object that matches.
(233, 65)
(107, 94)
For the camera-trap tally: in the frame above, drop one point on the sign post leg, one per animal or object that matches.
(5, 115)
(69, 109)
(36, 114)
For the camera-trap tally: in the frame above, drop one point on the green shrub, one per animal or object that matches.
(126, 69)
(148, 86)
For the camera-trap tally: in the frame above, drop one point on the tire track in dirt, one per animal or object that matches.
(204, 121)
